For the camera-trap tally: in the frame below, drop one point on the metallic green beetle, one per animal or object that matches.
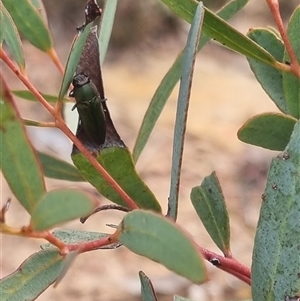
(89, 107)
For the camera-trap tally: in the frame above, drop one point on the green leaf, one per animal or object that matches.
(148, 293)
(117, 161)
(291, 84)
(29, 122)
(188, 64)
(2, 23)
(58, 169)
(69, 259)
(29, 23)
(159, 239)
(35, 274)
(268, 130)
(73, 60)
(276, 257)
(169, 81)
(178, 298)
(18, 160)
(11, 37)
(59, 206)
(40, 9)
(269, 77)
(209, 203)
(221, 31)
(107, 22)
(27, 95)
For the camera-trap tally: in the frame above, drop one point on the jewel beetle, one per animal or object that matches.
(89, 107)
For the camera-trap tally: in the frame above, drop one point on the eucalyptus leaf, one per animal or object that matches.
(268, 130)
(59, 169)
(34, 31)
(148, 293)
(209, 203)
(18, 161)
(117, 161)
(73, 60)
(178, 298)
(291, 83)
(113, 154)
(189, 58)
(276, 258)
(10, 35)
(269, 77)
(35, 274)
(27, 95)
(59, 206)
(221, 31)
(1, 22)
(39, 6)
(107, 22)
(157, 238)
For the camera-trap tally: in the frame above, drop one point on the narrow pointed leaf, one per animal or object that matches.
(209, 203)
(11, 37)
(178, 298)
(276, 257)
(188, 63)
(221, 31)
(29, 23)
(35, 274)
(269, 77)
(18, 160)
(2, 24)
(40, 9)
(34, 123)
(112, 154)
(58, 169)
(73, 60)
(291, 84)
(268, 130)
(159, 239)
(147, 291)
(59, 206)
(169, 81)
(107, 22)
(69, 259)
(27, 95)
(118, 163)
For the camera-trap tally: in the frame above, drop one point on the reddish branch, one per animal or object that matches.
(230, 265)
(294, 66)
(52, 53)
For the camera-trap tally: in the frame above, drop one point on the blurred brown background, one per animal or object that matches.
(146, 39)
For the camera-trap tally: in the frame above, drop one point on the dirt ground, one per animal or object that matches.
(224, 95)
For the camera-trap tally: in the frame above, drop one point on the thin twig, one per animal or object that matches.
(103, 208)
(54, 57)
(294, 65)
(229, 265)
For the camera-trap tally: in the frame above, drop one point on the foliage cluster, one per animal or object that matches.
(101, 157)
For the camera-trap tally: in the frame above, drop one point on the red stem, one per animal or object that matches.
(52, 53)
(274, 7)
(237, 275)
(96, 244)
(229, 265)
